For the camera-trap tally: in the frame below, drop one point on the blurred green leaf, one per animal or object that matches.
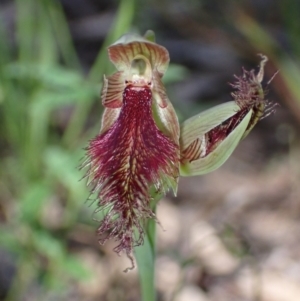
(63, 166)
(75, 268)
(47, 245)
(50, 76)
(175, 73)
(33, 201)
(8, 240)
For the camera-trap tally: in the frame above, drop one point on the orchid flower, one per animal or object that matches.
(141, 149)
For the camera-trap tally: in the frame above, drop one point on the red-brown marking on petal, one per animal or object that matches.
(216, 135)
(124, 162)
(212, 138)
(192, 152)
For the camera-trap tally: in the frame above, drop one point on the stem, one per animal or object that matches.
(145, 255)
(145, 258)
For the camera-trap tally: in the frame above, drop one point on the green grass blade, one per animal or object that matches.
(145, 257)
(62, 34)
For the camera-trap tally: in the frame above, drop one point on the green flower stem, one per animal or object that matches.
(145, 257)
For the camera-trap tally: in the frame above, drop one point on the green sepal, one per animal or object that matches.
(202, 123)
(197, 126)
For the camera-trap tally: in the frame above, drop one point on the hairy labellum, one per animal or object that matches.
(137, 149)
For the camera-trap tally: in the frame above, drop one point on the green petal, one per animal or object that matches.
(163, 110)
(108, 118)
(197, 126)
(201, 123)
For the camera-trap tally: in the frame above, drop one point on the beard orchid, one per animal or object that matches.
(141, 150)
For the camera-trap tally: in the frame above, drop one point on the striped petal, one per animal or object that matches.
(208, 144)
(124, 51)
